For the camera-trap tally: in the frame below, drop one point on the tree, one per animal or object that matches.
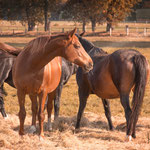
(98, 11)
(30, 11)
(117, 10)
(49, 6)
(84, 11)
(26, 11)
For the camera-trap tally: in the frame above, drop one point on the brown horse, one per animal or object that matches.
(37, 70)
(114, 76)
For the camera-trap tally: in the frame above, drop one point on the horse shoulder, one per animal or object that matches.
(52, 74)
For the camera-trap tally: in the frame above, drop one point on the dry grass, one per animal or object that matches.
(94, 133)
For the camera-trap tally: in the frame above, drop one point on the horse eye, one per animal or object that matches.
(76, 46)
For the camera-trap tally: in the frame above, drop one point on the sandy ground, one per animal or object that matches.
(93, 134)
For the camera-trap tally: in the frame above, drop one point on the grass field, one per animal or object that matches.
(94, 133)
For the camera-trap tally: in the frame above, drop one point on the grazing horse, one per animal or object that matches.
(7, 57)
(37, 69)
(114, 76)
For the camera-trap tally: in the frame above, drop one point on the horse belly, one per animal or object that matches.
(105, 88)
(52, 76)
(47, 79)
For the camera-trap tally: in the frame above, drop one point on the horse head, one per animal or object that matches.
(75, 53)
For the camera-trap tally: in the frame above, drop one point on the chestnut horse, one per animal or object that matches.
(114, 76)
(67, 70)
(37, 70)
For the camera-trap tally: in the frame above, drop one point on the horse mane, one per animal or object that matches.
(39, 43)
(89, 45)
(10, 49)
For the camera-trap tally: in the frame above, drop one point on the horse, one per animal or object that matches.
(67, 71)
(37, 70)
(7, 57)
(115, 76)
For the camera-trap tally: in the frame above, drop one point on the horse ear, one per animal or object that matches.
(71, 33)
(82, 33)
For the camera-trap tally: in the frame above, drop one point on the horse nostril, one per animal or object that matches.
(90, 66)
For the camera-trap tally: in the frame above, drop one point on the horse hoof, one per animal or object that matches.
(32, 129)
(41, 138)
(21, 133)
(112, 129)
(6, 118)
(128, 138)
(49, 127)
(77, 130)
(134, 136)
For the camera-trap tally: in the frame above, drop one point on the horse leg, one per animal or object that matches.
(108, 113)
(125, 103)
(34, 108)
(57, 101)
(49, 109)
(2, 108)
(134, 126)
(83, 95)
(41, 115)
(22, 111)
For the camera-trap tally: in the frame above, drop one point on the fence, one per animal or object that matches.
(121, 29)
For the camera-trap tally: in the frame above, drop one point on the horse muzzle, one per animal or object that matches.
(87, 68)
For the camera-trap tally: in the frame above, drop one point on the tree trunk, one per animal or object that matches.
(83, 26)
(31, 25)
(46, 26)
(93, 21)
(109, 25)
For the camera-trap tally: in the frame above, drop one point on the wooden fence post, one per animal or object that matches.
(127, 30)
(145, 31)
(49, 29)
(25, 31)
(110, 31)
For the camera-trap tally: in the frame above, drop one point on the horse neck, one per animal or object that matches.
(89, 47)
(41, 58)
(69, 67)
(86, 45)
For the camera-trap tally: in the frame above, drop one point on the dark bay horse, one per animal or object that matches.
(114, 76)
(7, 57)
(37, 69)
(67, 70)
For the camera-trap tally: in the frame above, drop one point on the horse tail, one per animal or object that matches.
(140, 64)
